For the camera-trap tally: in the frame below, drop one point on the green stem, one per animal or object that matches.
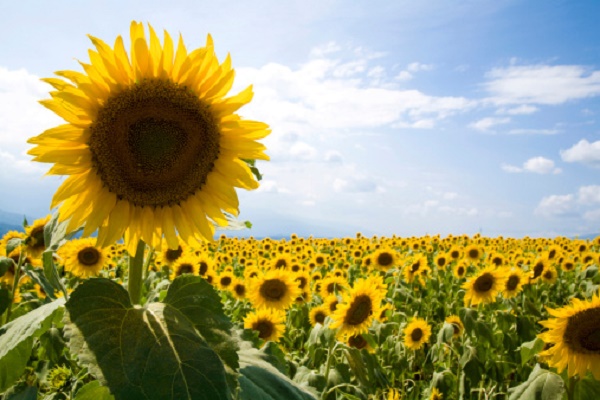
(136, 267)
(148, 261)
(571, 389)
(16, 277)
(332, 346)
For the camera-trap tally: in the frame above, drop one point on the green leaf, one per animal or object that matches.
(50, 271)
(587, 388)
(259, 380)
(199, 302)
(12, 244)
(53, 345)
(530, 349)
(4, 300)
(30, 393)
(147, 353)
(55, 233)
(541, 385)
(94, 391)
(445, 334)
(38, 276)
(469, 318)
(16, 340)
(5, 264)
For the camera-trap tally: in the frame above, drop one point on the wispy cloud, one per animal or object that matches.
(538, 165)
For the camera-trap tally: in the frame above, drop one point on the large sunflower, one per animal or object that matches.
(151, 145)
(575, 333)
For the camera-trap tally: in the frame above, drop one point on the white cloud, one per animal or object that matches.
(589, 194)
(333, 156)
(416, 67)
(523, 109)
(485, 124)
(556, 205)
(533, 131)
(303, 152)
(538, 165)
(355, 185)
(325, 49)
(271, 186)
(541, 84)
(592, 215)
(583, 152)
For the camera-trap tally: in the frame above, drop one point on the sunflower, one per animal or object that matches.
(83, 258)
(473, 253)
(355, 313)
(515, 278)
(549, 275)
(573, 332)
(460, 269)
(225, 280)
(441, 261)
(184, 265)
(359, 342)
(238, 288)
(274, 289)
(416, 333)
(268, 322)
(484, 287)
(151, 145)
(457, 324)
(281, 261)
(318, 314)
(332, 285)
(415, 268)
(537, 268)
(384, 259)
(168, 256)
(34, 237)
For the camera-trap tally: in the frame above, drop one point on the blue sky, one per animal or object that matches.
(388, 117)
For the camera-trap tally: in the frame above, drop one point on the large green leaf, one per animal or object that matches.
(259, 380)
(199, 302)
(541, 385)
(16, 340)
(141, 353)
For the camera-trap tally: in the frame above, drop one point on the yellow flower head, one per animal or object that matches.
(151, 145)
(269, 323)
(416, 333)
(274, 289)
(574, 333)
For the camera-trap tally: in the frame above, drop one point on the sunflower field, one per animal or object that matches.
(124, 293)
(300, 318)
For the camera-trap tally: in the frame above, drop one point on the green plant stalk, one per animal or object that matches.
(15, 284)
(330, 351)
(148, 261)
(571, 388)
(136, 269)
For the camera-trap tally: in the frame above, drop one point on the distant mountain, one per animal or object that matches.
(11, 222)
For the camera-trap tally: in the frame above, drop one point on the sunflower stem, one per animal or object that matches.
(15, 284)
(571, 389)
(136, 269)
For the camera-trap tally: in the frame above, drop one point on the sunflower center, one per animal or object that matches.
(240, 289)
(415, 267)
(512, 282)
(173, 255)
(301, 282)
(281, 263)
(37, 236)
(385, 259)
(460, 271)
(185, 269)
(473, 254)
(357, 341)
(265, 328)
(538, 269)
(154, 143)
(359, 311)
(455, 328)
(88, 256)
(273, 289)
(484, 283)
(416, 334)
(226, 281)
(320, 317)
(583, 331)
(203, 267)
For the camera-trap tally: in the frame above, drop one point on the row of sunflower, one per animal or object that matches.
(358, 317)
